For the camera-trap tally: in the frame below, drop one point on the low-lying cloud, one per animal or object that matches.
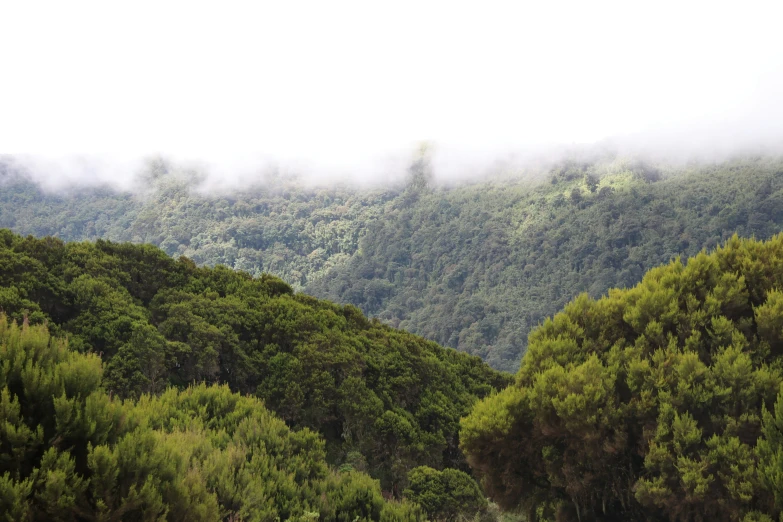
(347, 92)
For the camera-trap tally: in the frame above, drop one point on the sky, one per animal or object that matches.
(339, 85)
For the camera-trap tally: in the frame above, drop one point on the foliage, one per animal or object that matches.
(477, 267)
(445, 495)
(277, 225)
(473, 267)
(379, 396)
(649, 403)
(70, 452)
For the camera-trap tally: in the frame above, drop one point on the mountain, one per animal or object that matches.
(474, 266)
(477, 267)
(277, 226)
(385, 401)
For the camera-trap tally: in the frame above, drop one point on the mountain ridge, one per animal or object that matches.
(473, 267)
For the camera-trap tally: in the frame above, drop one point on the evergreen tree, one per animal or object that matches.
(647, 404)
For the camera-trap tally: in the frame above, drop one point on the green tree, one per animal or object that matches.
(445, 495)
(646, 404)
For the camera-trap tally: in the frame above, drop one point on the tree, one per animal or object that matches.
(646, 404)
(445, 495)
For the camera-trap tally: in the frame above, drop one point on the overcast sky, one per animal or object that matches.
(328, 82)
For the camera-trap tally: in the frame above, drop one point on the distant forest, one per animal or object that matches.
(474, 267)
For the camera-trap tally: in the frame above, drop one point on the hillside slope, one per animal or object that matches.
(477, 267)
(70, 452)
(278, 226)
(473, 267)
(384, 400)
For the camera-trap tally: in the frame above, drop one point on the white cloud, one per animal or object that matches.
(338, 85)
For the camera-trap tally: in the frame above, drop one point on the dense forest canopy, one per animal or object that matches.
(277, 226)
(384, 400)
(659, 402)
(71, 452)
(473, 267)
(477, 267)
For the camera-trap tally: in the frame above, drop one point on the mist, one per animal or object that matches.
(346, 93)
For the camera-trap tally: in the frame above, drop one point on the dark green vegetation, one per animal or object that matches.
(659, 402)
(278, 227)
(70, 452)
(477, 267)
(474, 267)
(385, 401)
(445, 495)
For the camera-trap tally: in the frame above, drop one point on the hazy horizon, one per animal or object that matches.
(345, 91)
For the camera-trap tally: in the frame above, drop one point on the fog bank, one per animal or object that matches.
(344, 92)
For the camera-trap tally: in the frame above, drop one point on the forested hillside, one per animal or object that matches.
(71, 452)
(659, 402)
(474, 267)
(278, 226)
(384, 400)
(477, 267)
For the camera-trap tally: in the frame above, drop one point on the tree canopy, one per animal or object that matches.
(658, 402)
(446, 495)
(474, 266)
(391, 399)
(477, 267)
(71, 452)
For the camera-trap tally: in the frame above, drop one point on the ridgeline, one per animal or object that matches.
(473, 267)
